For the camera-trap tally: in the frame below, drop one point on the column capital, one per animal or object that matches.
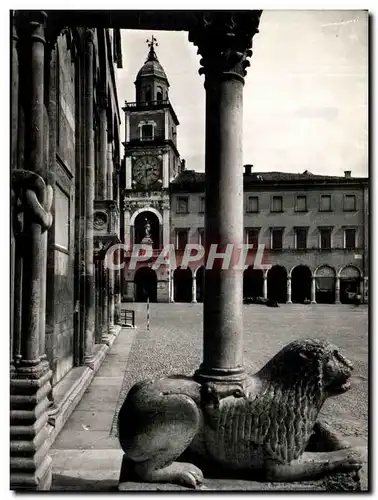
(224, 40)
(31, 24)
(102, 100)
(89, 35)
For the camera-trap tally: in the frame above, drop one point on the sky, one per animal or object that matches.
(305, 93)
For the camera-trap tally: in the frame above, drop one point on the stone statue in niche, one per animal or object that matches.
(147, 240)
(266, 427)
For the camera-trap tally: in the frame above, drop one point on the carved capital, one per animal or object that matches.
(224, 40)
(31, 24)
(89, 35)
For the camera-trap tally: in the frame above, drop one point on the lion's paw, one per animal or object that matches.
(347, 459)
(186, 474)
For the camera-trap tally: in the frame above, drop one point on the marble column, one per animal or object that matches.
(337, 290)
(30, 464)
(166, 226)
(89, 315)
(110, 170)
(365, 297)
(265, 286)
(313, 290)
(288, 300)
(194, 290)
(103, 155)
(14, 111)
(172, 287)
(224, 40)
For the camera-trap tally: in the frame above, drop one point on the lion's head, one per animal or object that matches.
(313, 359)
(296, 383)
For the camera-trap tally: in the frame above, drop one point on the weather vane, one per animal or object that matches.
(152, 42)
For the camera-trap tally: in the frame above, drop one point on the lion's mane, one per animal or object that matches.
(276, 424)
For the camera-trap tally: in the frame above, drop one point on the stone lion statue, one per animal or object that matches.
(267, 425)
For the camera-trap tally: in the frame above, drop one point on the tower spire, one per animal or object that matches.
(151, 44)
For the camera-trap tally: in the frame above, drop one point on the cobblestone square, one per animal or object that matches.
(87, 455)
(174, 345)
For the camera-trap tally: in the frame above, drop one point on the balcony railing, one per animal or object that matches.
(143, 104)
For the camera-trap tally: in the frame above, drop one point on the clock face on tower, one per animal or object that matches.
(146, 171)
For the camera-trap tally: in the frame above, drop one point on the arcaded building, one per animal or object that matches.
(312, 229)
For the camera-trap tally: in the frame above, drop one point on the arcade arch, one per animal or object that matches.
(277, 284)
(145, 285)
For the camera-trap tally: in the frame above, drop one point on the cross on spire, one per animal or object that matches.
(151, 44)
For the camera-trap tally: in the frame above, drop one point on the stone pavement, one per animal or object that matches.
(87, 456)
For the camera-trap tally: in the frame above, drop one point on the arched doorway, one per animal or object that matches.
(182, 282)
(350, 280)
(200, 283)
(147, 229)
(325, 281)
(253, 283)
(300, 284)
(277, 284)
(145, 285)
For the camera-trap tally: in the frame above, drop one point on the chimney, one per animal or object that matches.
(182, 165)
(347, 174)
(248, 169)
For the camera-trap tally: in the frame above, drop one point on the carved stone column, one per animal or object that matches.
(337, 290)
(313, 290)
(265, 285)
(365, 297)
(224, 40)
(103, 156)
(172, 286)
(89, 315)
(30, 463)
(15, 77)
(288, 299)
(194, 290)
(110, 170)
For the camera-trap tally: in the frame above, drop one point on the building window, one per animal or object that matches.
(181, 239)
(253, 237)
(182, 205)
(147, 93)
(349, 203)
(277, 205)
(276, 238)
(252, 204)
(201, 236)
(325, 203)
(349, 238)
(147, 132)
(325, 238)
(301, 205)
(301, 238)
(202, 205)
(159, 94)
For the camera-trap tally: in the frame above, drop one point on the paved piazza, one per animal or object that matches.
(174, 345)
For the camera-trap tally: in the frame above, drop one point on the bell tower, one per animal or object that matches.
(151, 161)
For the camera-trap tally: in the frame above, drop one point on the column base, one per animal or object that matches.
(30, 464)
(288, 302)
(313, 302)
(220, 375)
(194, 301)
